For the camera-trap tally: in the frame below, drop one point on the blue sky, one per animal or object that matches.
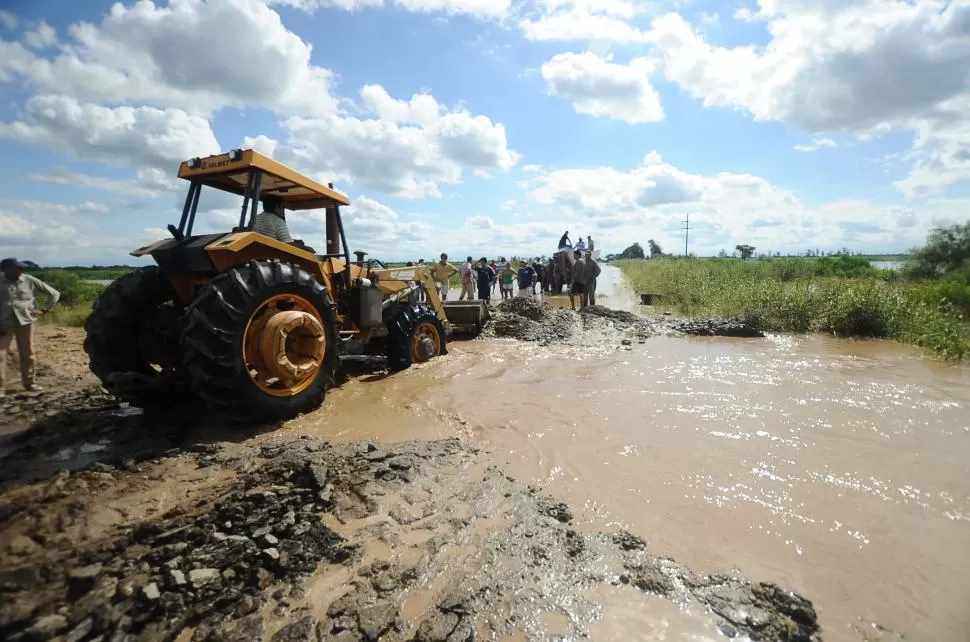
(490, 126)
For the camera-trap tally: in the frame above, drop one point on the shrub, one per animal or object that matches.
(73, 290)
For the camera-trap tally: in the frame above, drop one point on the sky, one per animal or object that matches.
(489, 127)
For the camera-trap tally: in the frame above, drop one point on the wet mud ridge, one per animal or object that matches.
(529, 319)
(303, 540)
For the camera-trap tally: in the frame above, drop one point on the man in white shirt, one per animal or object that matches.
(18, 311)
(271, 222)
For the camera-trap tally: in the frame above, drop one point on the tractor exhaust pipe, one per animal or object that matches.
(333, 232)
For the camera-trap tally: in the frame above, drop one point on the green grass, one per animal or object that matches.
(836, 296)
(73, 315)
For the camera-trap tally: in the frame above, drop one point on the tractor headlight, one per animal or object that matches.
(235, 154)
(193, 163)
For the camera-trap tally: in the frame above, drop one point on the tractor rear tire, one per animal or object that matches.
(114, 334)
(412, 324)
(216, 336)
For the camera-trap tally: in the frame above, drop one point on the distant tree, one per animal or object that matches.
(632, 252)
(655, 250)
(946, 249)
(722, 254)
(746, 251)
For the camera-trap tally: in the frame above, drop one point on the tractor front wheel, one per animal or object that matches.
(415, 335)
(260, 341)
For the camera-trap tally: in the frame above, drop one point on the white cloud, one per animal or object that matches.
(408, 149)
(178, 63)
(52, 233)
(508, 205)
(41, 207)
(477, 8)
(599, 87)
(42, 37)
(480, 8)
(369, 225)
(650, 201)
(577, 20)
(8, 19)
(114, 135)
(197, 55)
(148, 182)
(817, 143)
(862, 66)
(262, 144)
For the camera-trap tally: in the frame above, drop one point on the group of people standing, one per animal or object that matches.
(480, 279)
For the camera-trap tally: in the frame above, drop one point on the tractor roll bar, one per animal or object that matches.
(343, 241)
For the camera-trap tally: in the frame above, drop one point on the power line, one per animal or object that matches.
(686, 223)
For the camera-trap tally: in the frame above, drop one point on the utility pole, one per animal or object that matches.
(687, 229)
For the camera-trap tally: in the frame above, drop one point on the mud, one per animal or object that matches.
(304, 540)
(532, 319)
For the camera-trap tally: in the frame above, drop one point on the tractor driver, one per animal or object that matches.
(271, 222)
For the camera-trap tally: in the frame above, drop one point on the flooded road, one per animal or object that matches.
(836, 468)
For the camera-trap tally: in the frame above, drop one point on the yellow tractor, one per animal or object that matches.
(253, 326)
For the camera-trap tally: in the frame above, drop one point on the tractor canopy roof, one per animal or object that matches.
(230, 172)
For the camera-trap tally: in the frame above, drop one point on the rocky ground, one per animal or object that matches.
(529, 319)
(116, 526)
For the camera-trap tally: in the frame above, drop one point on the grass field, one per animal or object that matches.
(842, 296)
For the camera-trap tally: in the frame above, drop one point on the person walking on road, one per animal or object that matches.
(578, 286)
(485, 277)
(467, 273)
(441, 272)
(18, 312)
(592, 272)
(527, 279)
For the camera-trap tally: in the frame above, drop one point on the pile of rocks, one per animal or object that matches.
(669, 325)
(715, 328)
(528, 319)
(197, 571)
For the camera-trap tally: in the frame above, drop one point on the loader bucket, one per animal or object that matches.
(466, 317)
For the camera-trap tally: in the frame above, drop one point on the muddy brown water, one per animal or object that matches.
(837, 468)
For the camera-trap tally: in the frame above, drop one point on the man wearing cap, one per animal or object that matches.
(18, 292)
(271, 222)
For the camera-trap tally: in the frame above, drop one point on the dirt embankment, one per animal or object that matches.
(178, 526)
(529, 319)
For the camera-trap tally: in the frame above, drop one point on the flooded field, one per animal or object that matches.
(608, 486)
(839, 468)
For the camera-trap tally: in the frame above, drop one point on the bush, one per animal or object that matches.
(74, 291)
(844, 265)
(946, 250)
